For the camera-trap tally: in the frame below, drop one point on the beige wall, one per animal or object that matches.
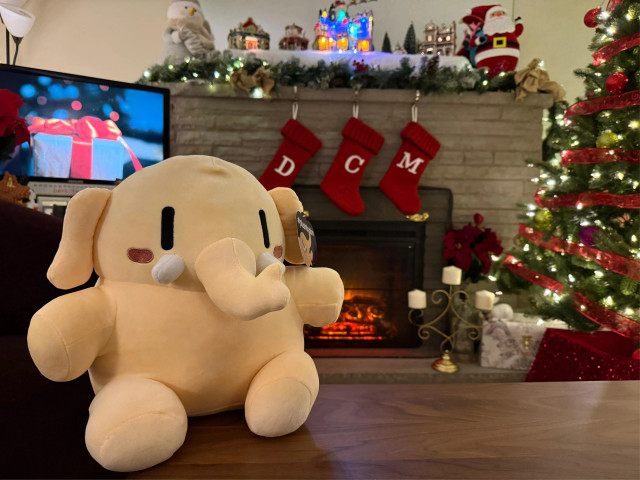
(118, 39)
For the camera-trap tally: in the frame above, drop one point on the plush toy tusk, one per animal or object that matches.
(264, 261)
(168, 269)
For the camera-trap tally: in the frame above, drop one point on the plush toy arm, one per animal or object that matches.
(66, 335)
(227, 269)
(317, 292)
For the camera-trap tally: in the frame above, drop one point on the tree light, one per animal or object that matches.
(609, 301)
(634, 124)
(598, 273)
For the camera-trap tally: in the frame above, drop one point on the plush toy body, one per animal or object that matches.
(188, 34)
(194, 312)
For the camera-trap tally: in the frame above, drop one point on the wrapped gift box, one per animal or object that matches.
(513, 343)
(87, 148)
(52, 156)
(570, 356)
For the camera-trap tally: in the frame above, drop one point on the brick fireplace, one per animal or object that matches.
(485, 138)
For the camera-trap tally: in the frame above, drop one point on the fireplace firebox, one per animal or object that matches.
(379, 262)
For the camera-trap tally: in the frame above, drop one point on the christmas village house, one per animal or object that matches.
(438, 40)
(248, 36)
(293, 39)
(337, 31)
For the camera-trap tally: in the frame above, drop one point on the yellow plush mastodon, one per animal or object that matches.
(194, 312)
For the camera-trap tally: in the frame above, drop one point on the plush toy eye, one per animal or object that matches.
(265, 230)
(166, 229)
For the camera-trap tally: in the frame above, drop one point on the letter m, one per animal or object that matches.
(411, 165)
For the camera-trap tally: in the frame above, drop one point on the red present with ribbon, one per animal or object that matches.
(83, 132)
(566, 355)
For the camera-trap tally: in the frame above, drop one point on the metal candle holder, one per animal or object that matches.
(445, 364)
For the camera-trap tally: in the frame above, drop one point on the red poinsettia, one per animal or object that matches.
(470, 248)
(13, 129)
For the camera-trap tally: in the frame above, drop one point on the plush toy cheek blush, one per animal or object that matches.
(277, 252)
(140, 255)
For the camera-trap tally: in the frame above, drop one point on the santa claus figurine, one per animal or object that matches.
(492, 39)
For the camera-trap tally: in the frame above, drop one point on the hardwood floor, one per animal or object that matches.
(587, 430)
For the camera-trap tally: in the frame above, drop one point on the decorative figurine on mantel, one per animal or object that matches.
(12, 191)
(438, 40)
(188, 34)
(249, 36)
(337, 31)
(293, 39)
(492, 39)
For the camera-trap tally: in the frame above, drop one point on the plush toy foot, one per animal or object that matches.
(135, 423)
(281, 395)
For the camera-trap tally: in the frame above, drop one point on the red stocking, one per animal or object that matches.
(342, 182)
(298, 146)
(400, 182)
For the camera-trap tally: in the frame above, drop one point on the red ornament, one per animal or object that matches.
(617, 82)
(590, 17)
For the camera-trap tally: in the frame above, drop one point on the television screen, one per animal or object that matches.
(86, 128)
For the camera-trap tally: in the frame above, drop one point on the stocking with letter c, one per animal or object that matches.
(400, 182)
(297, 147)
(342, 182)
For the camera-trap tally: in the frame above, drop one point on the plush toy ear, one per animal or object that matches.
(288, 205)
(73, 263)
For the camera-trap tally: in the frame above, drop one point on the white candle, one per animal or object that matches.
(417, 299)
(451, 275)
(484, 300)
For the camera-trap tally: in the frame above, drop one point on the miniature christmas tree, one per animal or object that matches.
(578, 250)
(410, 44)
(386, 44)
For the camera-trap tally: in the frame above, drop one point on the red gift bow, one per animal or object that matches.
(83, 131)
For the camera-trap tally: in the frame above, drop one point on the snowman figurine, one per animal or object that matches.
(187, 34)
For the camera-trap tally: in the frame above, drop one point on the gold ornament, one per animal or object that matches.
(607, 140)
(518, 241)
(542, 220)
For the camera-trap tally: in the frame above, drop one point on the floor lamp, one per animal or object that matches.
(17, 23)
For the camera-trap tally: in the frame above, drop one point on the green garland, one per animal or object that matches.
(429, 77)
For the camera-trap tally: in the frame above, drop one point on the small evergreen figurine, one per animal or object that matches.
(410, 44)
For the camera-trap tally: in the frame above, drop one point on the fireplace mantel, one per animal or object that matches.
(486, 138)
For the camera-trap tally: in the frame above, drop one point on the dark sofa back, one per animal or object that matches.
(28, 242)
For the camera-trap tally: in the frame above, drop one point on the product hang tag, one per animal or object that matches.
(306, 239)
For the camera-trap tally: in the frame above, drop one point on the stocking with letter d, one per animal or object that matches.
(297, 147)
(342, 182)
(400, 182)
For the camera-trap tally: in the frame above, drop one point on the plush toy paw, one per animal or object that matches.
(135, 423)
(281, 395)
(278, 408)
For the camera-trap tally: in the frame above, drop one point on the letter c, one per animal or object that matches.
(347, 163)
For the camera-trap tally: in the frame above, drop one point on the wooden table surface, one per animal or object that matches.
(579, 430)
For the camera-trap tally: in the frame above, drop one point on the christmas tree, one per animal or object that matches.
(386, 44)
(410, 44)
(577, 253)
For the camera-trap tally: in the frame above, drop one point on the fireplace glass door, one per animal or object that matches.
(379, 262)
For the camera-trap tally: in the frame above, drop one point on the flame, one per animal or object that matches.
(363, 317)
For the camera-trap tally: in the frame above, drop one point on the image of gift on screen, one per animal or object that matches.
(87, 148)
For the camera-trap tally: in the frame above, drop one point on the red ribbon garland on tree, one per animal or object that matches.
(586, 156)
(611, 261)
(533, 277)
(593, 105)
(607, 318)
(608, 51)
(593, 311)
(588, 199)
